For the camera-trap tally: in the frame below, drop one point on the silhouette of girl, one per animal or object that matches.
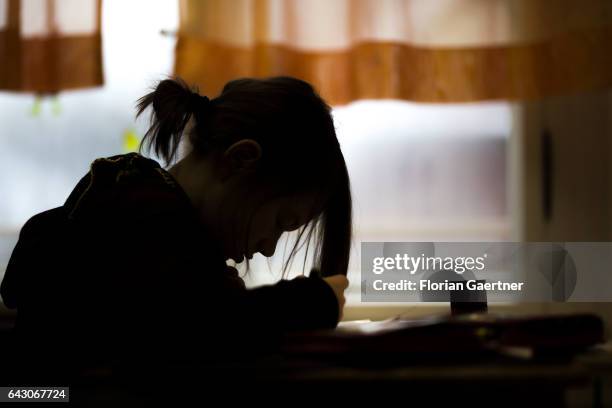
(133, 265)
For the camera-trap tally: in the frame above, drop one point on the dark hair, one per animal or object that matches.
(300, 150)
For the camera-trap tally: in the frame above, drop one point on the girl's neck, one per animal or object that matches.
(195, 178)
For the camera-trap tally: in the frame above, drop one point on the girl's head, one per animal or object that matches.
(271, 148)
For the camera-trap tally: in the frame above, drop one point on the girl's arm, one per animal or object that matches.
(179, 266)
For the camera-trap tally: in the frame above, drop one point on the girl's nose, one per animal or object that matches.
(268, 247)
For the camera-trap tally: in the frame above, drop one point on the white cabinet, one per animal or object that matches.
(561, 177)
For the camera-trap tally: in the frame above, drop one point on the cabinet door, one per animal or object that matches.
(562, 169)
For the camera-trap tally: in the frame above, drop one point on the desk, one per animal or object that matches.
(586, 380)
(283, 380)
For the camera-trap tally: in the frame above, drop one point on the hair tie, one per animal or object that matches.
(199, 104)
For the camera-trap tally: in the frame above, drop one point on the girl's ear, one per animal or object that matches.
(242, 156)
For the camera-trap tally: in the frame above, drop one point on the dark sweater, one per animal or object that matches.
(123, 270)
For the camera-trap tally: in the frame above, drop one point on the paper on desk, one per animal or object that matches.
(368, 326)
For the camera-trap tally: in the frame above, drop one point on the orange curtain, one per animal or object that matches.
(47, 46)
(421, 50)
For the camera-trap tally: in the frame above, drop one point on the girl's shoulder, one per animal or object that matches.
(125, 186)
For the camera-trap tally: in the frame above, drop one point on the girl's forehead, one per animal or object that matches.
(301, 200)
(302, 205)
(289, 203)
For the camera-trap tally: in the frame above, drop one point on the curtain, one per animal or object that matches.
(47, 46)
(420, 50)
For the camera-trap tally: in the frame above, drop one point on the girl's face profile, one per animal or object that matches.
(268, 222)
(249, 223)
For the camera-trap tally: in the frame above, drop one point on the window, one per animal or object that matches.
(43, 155)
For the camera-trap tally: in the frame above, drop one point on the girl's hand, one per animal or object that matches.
(338, 283)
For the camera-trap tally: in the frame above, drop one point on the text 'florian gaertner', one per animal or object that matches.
(426, 284)
(414, 264)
